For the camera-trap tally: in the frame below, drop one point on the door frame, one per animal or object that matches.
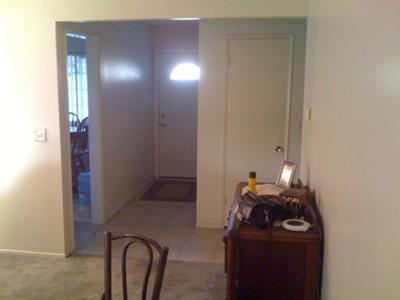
(156, 54)
(228, 40)
(95, 131)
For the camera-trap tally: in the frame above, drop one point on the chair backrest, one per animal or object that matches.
(73, 121)
(149, 244)
(80, 140)
(83, 134)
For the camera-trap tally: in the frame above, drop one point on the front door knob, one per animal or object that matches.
(279, 148)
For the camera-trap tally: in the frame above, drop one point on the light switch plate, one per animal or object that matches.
(308, 113)
(40, 135)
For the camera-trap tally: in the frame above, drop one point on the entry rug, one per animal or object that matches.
(171, 191)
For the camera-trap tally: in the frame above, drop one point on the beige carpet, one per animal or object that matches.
(25, 277)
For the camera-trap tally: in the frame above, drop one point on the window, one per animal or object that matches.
(186, 72)
(78, 85)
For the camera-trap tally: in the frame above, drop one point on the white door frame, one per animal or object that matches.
(95, 132)
(157, 52)
(288, 102)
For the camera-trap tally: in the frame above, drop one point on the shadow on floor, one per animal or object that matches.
(170, 223)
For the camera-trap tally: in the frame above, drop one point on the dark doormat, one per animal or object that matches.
(171, 191)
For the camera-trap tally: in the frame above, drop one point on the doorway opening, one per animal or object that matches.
(176, 78)
(78, 113)
(149, 74)
(143, 122)
(83, 115)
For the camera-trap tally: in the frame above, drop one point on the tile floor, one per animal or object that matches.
(170, 223)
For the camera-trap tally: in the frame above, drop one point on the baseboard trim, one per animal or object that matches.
(140, 193)
(177, 179)
(135, 196)
(209, 225)
(34, 253)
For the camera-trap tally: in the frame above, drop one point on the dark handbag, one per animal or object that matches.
(261, 211)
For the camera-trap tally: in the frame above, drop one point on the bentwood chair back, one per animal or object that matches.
(73, 121)
(150, 245)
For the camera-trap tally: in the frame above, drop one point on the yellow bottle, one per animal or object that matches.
(252, 182)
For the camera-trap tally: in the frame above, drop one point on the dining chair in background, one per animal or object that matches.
(73, 122)
(79, 149)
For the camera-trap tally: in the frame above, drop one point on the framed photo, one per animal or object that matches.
(286, 174)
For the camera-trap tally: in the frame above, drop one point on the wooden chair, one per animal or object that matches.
(149, 244)
(73, 121)
(79, 148)
(80, 144)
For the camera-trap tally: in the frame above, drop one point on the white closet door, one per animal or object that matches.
(257, 108)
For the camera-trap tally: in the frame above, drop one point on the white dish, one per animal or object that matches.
(296, 225)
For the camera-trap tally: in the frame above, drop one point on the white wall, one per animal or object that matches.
(351, 146)
(127, 109)
(170, 37)
(31, 195)
(211, 107)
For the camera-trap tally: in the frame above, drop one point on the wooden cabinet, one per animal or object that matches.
(272, 264)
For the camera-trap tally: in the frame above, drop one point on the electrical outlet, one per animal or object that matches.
(39, 135)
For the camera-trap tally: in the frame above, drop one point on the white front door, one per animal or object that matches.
(257, 109)
(177, 118)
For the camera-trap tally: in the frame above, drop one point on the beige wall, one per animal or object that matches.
(31, 196)
(159, 9)
(352, 144)
(180, 37)
(211, 108)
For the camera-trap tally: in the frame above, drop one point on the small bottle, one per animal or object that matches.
(252, 182)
